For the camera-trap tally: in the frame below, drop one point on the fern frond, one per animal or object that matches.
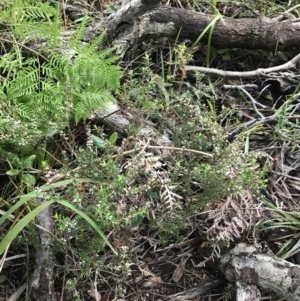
(168, 198)
(24, 82)
(31, 10)
(83, 76)
(25, 111)
(90, 101)
(33, 18)
(93, 47)
(104, 55)
(75, 41)
(10, 62)
(235, 215)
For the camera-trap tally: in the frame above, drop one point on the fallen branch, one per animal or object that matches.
(195, 291)
(42, 284)
(253, 266)
(248, 33)
(290, 65)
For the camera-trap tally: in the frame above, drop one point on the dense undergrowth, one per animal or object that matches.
(117, 185)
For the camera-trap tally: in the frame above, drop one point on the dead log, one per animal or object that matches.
(194, 292)
(140, 20)
(249, 33)
(42, 283)
(251, 267)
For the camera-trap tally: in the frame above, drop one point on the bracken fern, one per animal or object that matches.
(30, 18)
(70, 83)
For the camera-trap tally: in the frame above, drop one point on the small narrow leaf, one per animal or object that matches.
(113, 138)
(26, 197)
(12, 234)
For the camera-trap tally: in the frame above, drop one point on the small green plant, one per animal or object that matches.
(22, 223)
(21, 168)
(285, 129)
(283, 220)
(193, 181)
(30, 18)
(41, 97)
(115, 184)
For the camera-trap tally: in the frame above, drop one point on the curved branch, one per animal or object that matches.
(292, 64)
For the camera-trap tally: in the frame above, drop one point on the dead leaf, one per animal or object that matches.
(94, 294)
(2, 278)
(152, 281)
(179, 269)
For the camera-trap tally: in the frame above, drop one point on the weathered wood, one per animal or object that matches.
(118, 22)
(252, 266)
(140, 20)
(194, 292)
(247, 292)
(143, 22)
(42, 284)
(249, 33)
